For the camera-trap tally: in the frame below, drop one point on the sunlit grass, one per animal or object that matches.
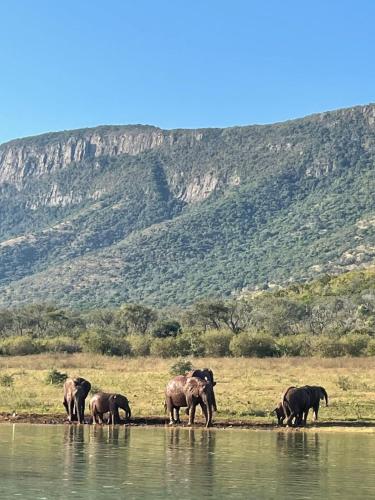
(247, 389)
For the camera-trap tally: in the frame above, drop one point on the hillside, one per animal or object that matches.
(98, 217)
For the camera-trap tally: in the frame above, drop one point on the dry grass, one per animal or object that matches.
(247, 389)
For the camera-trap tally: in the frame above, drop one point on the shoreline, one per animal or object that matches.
(157, 421)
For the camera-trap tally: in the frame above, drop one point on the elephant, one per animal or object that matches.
(297, 401)
(280, 412)
(103, 402)
(204, 374)
(75, 393)
(189, 391)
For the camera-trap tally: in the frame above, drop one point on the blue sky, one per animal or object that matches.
(176, 64)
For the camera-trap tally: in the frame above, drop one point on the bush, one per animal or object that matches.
(102, 343)
(139, 345)
(355, 344)
(253, 344)
(165, 329)
(60, 344)
(170, 347)
(328, 347)
(181, 367)
(371, 348)
(294, 345)
(164, 348)
(194, 339)
(6, 380)
(216, 343)
(55, 377)
(19, 346)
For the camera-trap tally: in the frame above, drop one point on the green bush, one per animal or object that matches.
(6, 380)
(371, 348)
(294, 345)
(181, 367)
(55, 377)
(139, 345)
(193, 339)
(170, 347)
(164, 348)
(19, 346)
(60, 344)
(355, 344)
(101, 343)
(253, 345)
(166, 328)
(216, 343)
(328, 347)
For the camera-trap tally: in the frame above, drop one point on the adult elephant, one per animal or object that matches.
(184, 391)
(297, 401)
(205, 374)
(104, 402)
(279, 410)
(75, 394)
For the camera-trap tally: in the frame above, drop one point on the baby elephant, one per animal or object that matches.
(103, 402)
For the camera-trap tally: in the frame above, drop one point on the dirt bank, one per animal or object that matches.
(53, 419)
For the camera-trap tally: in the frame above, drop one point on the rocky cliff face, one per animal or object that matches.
(21, 159)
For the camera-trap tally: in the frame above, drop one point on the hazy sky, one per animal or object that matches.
(193, 63)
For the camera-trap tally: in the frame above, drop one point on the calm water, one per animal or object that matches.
(48, 462)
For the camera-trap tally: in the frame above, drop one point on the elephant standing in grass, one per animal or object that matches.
(184, 391)
(297, 401)
(103, 402)
(75, 394)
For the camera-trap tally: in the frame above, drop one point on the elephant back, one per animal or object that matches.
(204, 374)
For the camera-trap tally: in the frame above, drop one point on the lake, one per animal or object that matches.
(92, 462)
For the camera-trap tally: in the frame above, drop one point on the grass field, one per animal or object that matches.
(247, 389)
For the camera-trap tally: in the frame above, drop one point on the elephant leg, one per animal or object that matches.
(316, 411)
(177, 409)
(305, 417)
(289, 421)
(65, 403)
(71, 410)
(204, 411)
(192, 415)
(115, 416)
(170, 408)
(78, 408)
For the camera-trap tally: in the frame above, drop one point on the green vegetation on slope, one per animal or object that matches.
(289, 201)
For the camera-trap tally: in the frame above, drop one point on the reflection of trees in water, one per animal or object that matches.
(188, 453)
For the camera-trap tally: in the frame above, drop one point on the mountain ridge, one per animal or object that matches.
(228, 197)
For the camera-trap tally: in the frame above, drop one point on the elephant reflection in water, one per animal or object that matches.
(115, 436)
(297, 456)
(75, 456)
(190, 451)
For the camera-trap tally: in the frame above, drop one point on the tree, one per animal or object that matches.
(136, 318)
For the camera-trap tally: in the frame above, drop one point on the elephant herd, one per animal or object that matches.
(190, 390)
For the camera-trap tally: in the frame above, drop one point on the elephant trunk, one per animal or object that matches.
(208, 401)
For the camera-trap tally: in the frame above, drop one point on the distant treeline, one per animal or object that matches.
(332, 316)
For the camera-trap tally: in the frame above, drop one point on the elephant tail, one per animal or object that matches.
(325, 395)
(165, 407)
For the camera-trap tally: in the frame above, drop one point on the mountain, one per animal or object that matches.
(114, 214)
